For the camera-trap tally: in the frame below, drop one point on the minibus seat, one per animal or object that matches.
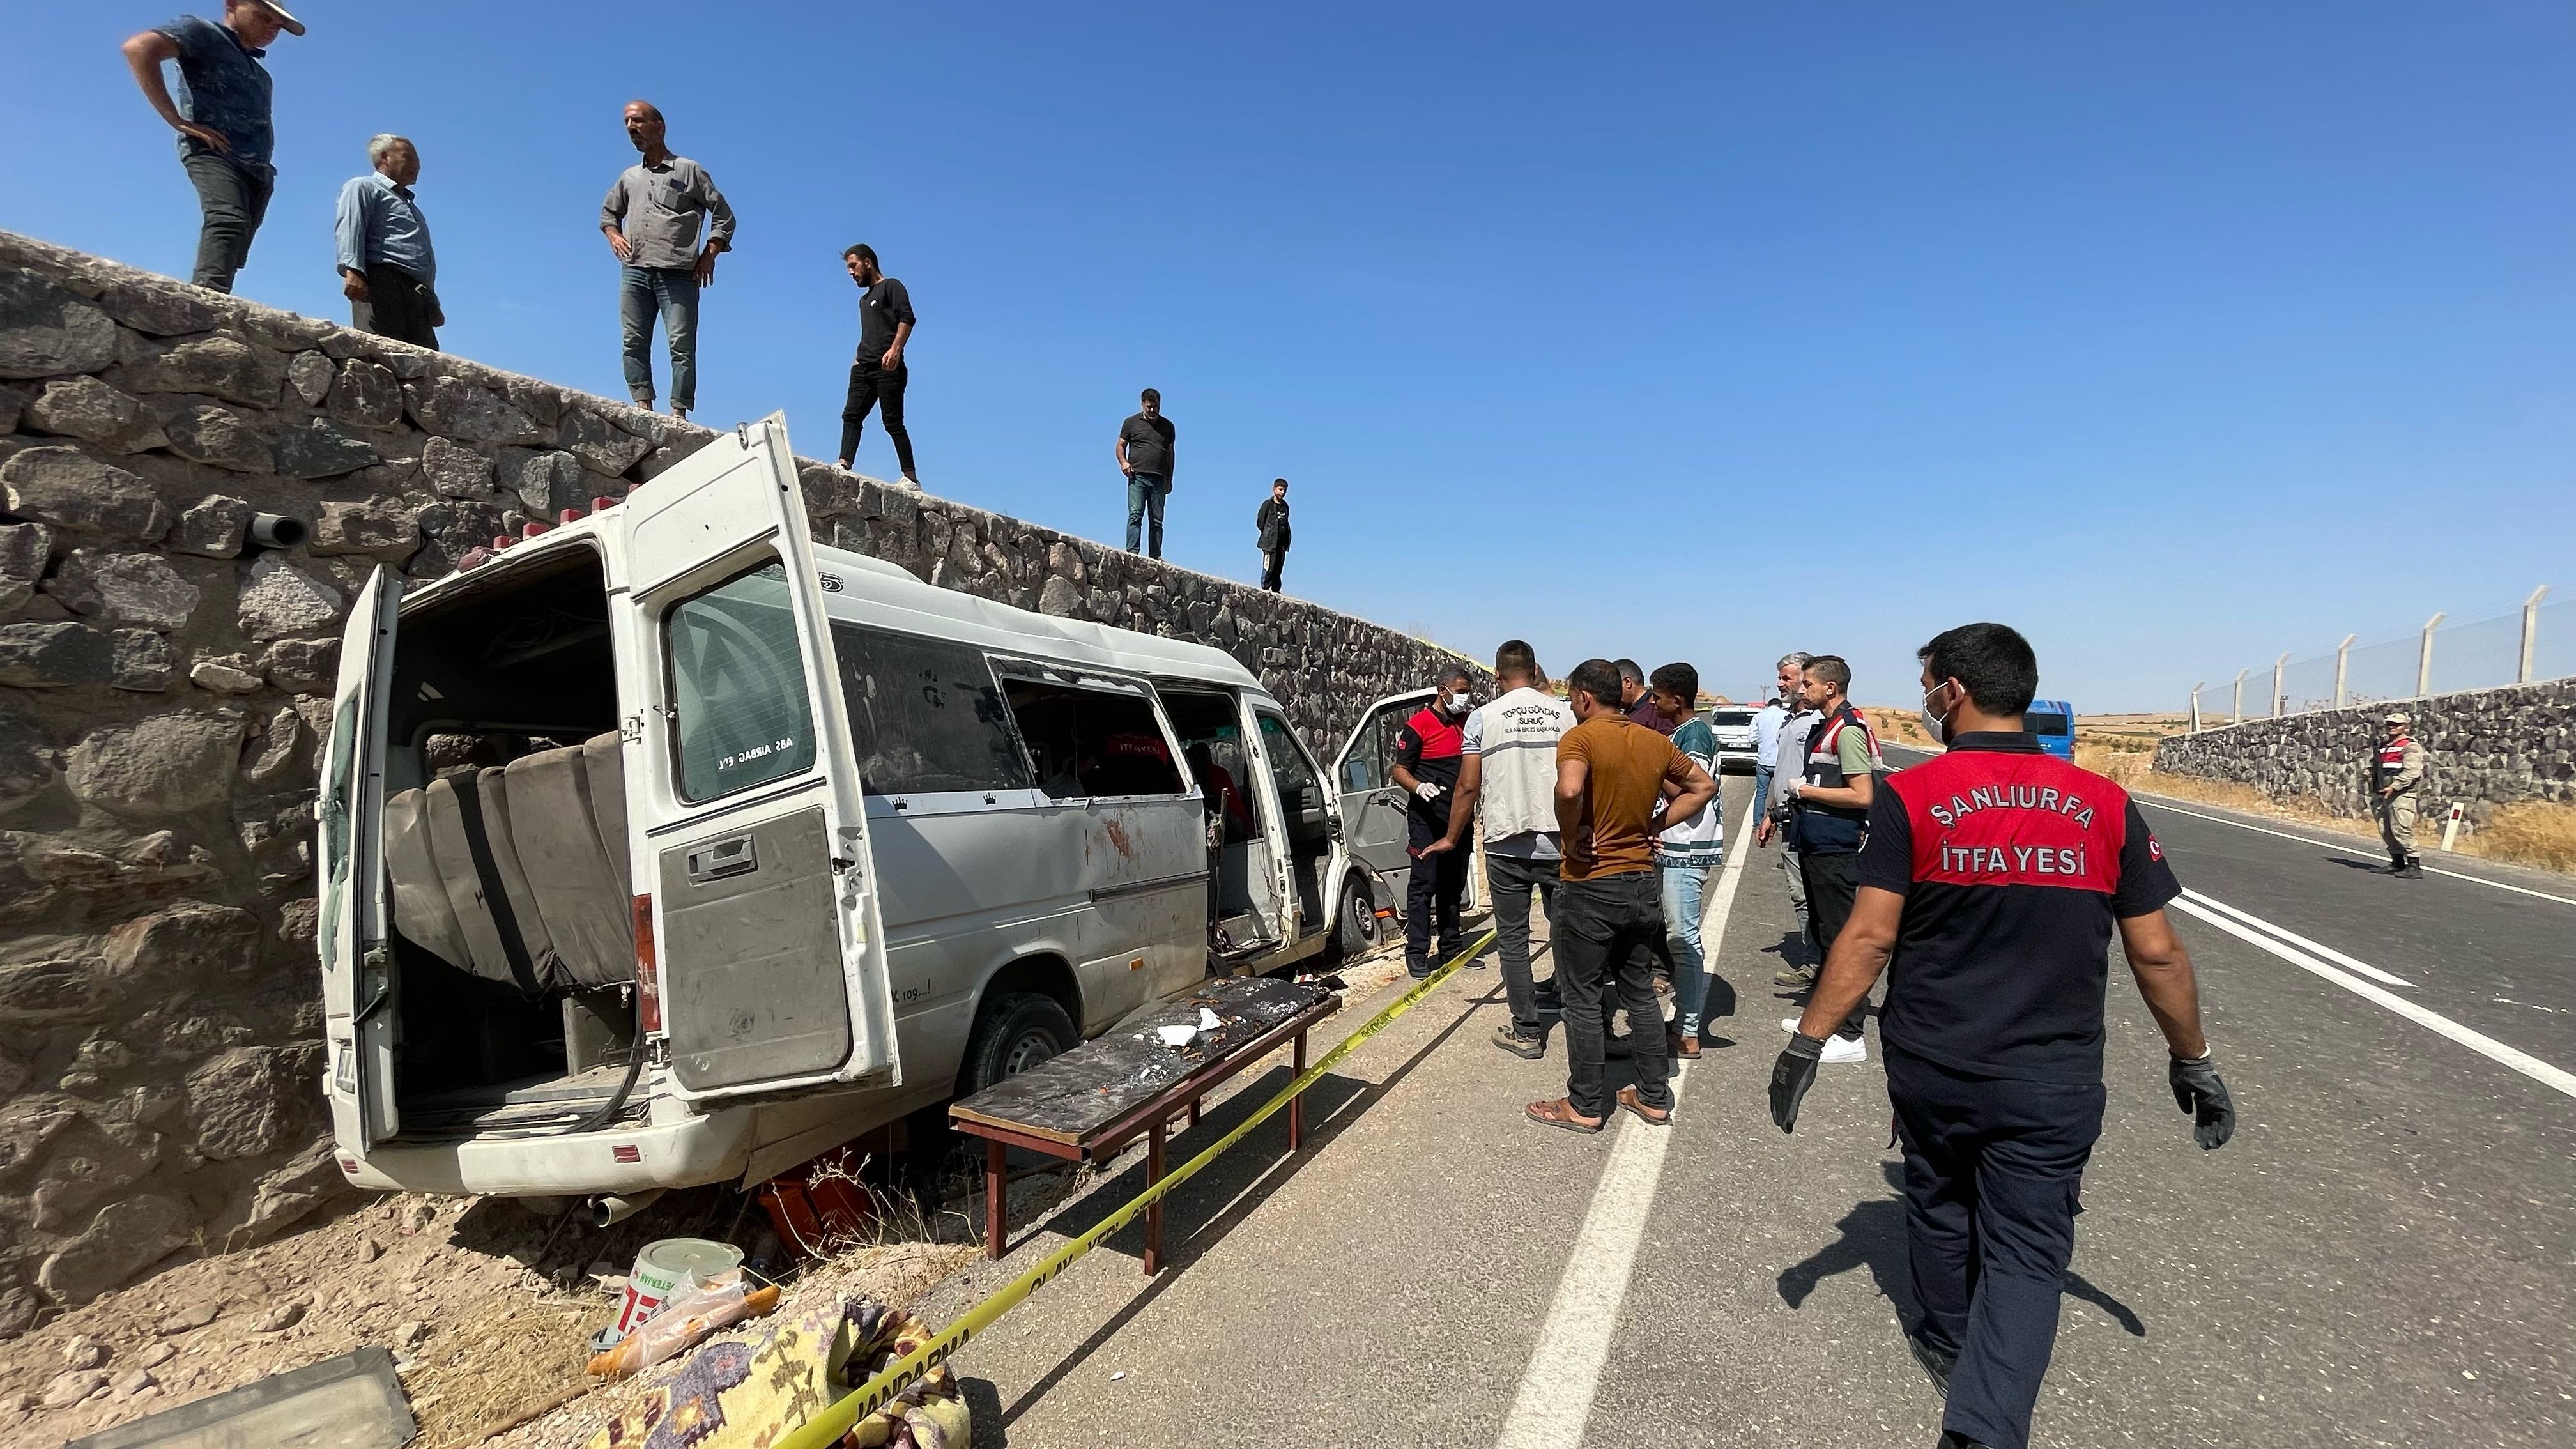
(603, 758)
(504, 935)
(561, 851)
(421, 908)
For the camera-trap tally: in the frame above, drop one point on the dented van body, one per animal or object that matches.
(669, 848)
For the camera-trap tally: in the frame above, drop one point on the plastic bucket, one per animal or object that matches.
(667, 1267)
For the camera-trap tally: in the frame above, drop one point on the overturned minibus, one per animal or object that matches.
(668, 848)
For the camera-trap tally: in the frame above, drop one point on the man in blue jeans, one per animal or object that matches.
(652, 218)
(1145, 456)
(222, 117)
(1687, 851)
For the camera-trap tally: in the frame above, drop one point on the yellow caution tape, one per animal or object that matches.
(833, 1422)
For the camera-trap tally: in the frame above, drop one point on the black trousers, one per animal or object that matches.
(399, 305)
(1271, 563)
(1833, 884)
(873, 386)
(1602, 932)
(1432, 890)
(234, 201)
(1991, 1172)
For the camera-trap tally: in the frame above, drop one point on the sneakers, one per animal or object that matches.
(1796, 978)
(1838, 1048)
(1527, 1048)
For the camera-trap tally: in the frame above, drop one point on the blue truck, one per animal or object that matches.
(2053, 720)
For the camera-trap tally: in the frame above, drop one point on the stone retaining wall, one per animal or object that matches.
(2487, 747)
(164, 681)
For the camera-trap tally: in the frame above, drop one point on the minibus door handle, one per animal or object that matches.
(724, 858)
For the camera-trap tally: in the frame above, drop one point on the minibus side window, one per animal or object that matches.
(739, 707)
(925, 715)
(1289, 764)
(1093, 742)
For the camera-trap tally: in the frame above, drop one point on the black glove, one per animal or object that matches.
(2197, 1090)
(1791, 1076)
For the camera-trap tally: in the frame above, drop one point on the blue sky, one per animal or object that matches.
(2175, 334)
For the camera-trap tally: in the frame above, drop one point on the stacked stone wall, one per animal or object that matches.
(164, 685)
(2485, 747)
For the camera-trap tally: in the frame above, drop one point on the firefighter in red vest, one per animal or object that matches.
(2398, 777)
(1995, 874)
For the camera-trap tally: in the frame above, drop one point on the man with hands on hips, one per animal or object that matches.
(1995, 874)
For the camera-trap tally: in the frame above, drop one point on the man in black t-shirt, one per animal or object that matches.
(1145, 456)
(878, 376)
(1996, 873)
(1429, 751)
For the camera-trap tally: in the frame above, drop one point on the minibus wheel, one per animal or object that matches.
(1355, 929)
(1015, 1031)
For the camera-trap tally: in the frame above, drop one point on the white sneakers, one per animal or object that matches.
(1837, 1048)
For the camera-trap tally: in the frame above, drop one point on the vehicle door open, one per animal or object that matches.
(760, 940)
(358, 985)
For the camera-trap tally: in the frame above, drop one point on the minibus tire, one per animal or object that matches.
(1014, 1032)
(1355, 929)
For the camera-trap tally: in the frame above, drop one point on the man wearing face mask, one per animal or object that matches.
(1994, 876)
(1427, 754)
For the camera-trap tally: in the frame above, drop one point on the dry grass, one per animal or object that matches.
(2535, 833)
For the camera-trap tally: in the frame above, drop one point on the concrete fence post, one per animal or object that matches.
(2236, 708)
(2530, 631)
(2279, 704)
(2343, 656)
(2195, 708)
(2424, 658)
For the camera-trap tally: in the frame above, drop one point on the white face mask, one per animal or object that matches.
(1933, 724)
(1460, 701)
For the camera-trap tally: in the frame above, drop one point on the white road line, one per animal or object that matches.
(1555, 1397)
(2484, 1045)
(2294, 938)
(2350, 844)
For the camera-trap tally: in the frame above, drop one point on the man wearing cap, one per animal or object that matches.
(222, 117)
(2398, 776)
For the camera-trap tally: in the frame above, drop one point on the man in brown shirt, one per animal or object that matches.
(1610, 772)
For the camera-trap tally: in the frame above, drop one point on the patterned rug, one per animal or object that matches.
(733, 1394)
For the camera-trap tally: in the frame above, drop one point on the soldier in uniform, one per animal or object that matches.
(2398, 776)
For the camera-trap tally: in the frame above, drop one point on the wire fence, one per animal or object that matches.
(2533, 643)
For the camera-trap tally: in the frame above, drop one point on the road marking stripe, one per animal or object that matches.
(2484, 1045)
(1555, 1396)
(2294, 938)
(2161, 804)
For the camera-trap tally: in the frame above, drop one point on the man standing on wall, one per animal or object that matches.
(652, 217)
(877, 374)
(1830, 810)
(387, 269)
(1610, 772)
(1428, 750)
(222, 117)
(2398, 777)
(1272, 521)
(1145, 456)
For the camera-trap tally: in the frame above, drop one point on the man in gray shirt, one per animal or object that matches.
(652, 219)
(1145, 456)
(387, 269)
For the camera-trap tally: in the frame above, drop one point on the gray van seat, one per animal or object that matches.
(420, 905)
(469, 840)
(570, 862)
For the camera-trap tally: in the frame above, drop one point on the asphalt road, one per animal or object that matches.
(2385, 1255)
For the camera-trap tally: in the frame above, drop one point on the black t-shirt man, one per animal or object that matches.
(1149, 444)
(882, 308)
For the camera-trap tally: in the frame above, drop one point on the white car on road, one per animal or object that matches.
(1733, 726)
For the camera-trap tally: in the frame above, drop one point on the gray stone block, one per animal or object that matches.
(215, 527)
(227, 674)
(279, 599)
(460, 409)
(164, 308)
(311, 375)
(47, 330)
(216, 364)
(27, 768)
(217, 436)
(73, 491)
(86, 408)
(380, 528)
(320, 450)
(453, 470)
(123, 588)
(366, 395)
(165, 765)
(143, 662)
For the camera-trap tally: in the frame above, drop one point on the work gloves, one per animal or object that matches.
(2197, 1090)
(1793, 1074)
(1427, 790)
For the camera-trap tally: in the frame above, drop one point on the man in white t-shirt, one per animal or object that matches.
(1509, 764)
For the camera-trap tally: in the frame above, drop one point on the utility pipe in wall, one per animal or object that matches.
(606, 1210)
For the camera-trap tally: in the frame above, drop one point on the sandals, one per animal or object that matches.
(1561, 1113)
(1629, 1101)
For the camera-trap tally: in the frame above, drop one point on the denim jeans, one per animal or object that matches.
(1761, 792)
(672, 292)
(1145, 495)
(234, 201)
(1604, 940)
(1511, 879)
(1685, 892)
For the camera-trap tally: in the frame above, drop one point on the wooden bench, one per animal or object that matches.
(1088, 1103)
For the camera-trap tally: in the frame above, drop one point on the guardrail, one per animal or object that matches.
(2525, 646)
